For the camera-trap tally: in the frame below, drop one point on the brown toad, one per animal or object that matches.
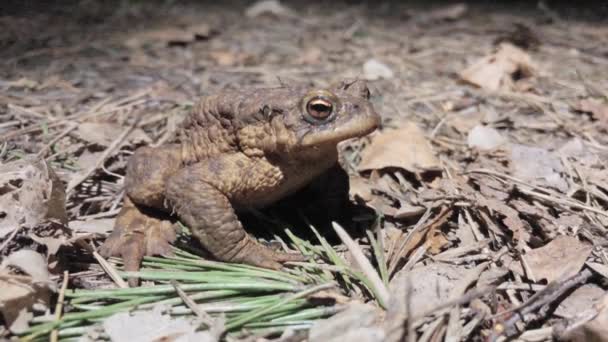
(238, 150)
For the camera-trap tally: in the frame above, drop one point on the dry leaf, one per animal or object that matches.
(231, 58)
(30, 262)
(500, 70)
(595, 330)
(450, 12)
(104, 134)
(30, 193)
(360, 187)
(97, 226)
(561, 258)
(580, 300)
(406, 148)
(143, 326)
(357, 318)
(511, 217)
(170, 36)
(597, 108)
(19, 294)
(537, 165)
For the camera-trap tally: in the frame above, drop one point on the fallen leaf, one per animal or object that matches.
(154, 325)
(103, 134)
(266, 7)
(374, 70)
(500, 70)
(599, 268)
(594, 330)
(580, 300)
(30, 193)
(29, 262)
(231, 58)
(360, 187)
(510, 217)
(96, 226)
(485, 138)
(357, 318)
(538, 166)
(561, 258)
(406, 148)
(19, 294)
(597, 108)
(170, 36)
(431, 286)
(450, 12)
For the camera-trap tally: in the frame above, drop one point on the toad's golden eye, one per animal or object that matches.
(319, 108)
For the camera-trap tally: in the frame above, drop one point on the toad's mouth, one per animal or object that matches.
(356, 127)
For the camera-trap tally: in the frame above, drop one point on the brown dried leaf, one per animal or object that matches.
(30, 193)
(17, 293)
(580, 300)
(450, 12)
(511, 217)
(499, 70)
(406, 148)
(563, 257)
(154, 325)
(596, 330)
(357, 318)
(170, 36)
(597, 108)
(360, 187)
(103, 134)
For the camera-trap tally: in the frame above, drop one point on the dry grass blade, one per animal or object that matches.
(379, 288)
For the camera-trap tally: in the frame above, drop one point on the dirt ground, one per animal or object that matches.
(489, 170)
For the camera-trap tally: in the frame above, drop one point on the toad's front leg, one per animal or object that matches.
(197, 196)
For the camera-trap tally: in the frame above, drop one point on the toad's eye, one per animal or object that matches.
(319, 108)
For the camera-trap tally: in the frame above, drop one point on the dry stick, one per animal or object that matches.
(65, 132)
(11, 237)
(364, 264)
(111, 271)
(398, 254)
(548, 198)
(548, 295)
(115, 144)
(77, 116)
(200, 313)
(59, 306)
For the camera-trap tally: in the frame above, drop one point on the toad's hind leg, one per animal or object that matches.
(141, 227)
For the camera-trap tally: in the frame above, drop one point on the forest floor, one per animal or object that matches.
(489, 171)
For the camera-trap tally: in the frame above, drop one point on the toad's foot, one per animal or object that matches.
(137, 234)
(248, 251)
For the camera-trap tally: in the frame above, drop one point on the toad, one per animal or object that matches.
(235, 151)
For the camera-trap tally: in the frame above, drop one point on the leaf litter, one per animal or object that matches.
(487, 178)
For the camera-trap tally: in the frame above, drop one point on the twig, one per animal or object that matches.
(110, 270)
(115, 144)
(200, 313)
(65, 132)
(59, 306)
(556, 200)
(540, 299)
